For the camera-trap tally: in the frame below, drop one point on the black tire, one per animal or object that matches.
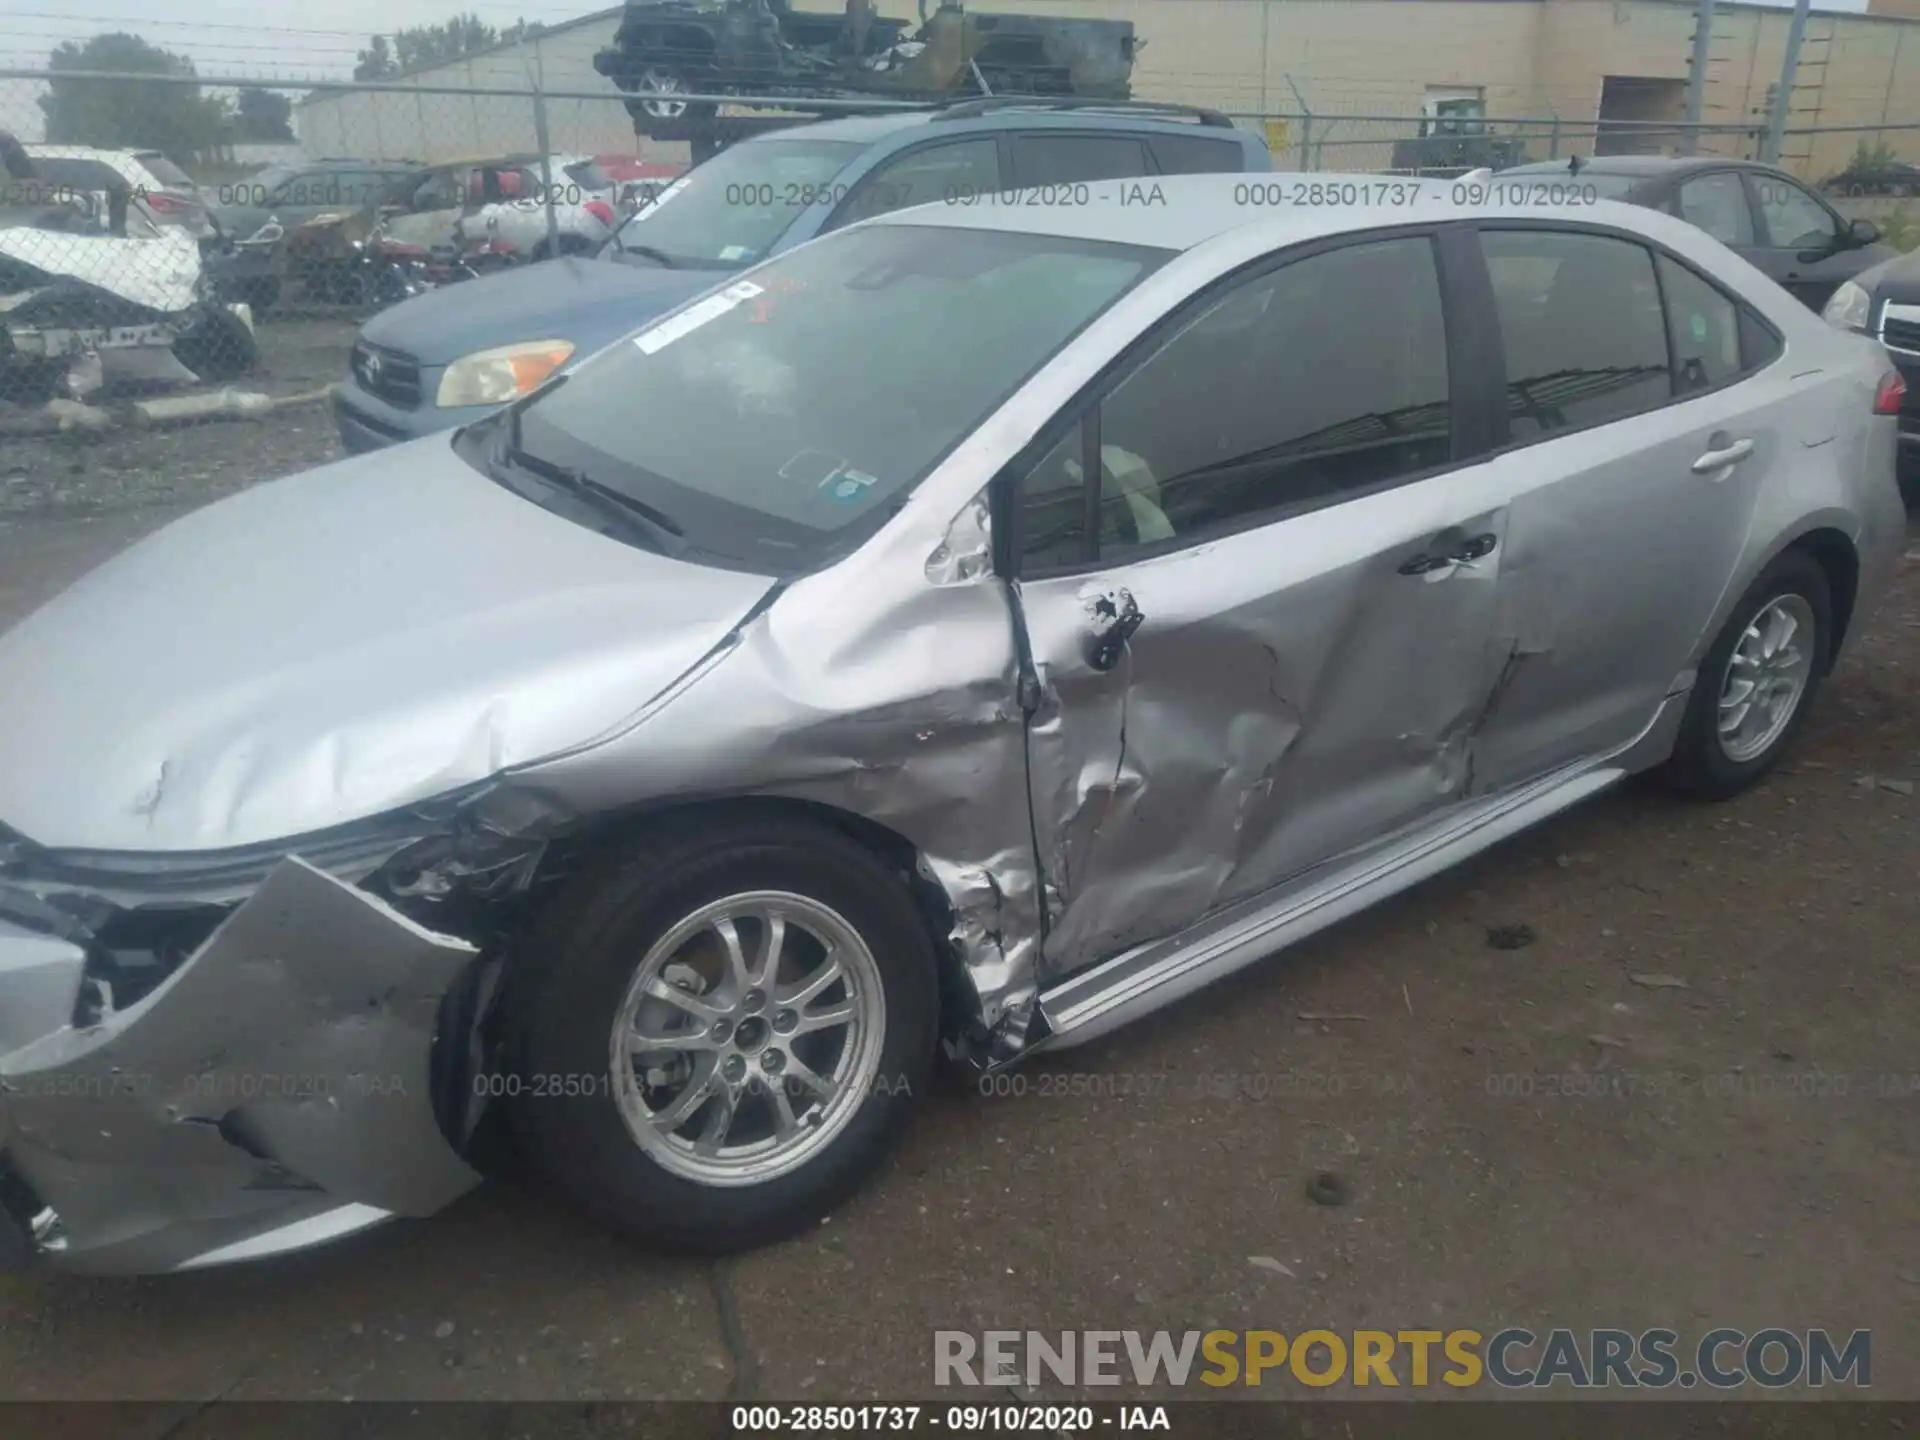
(667, 78)
(218, 346)
(1699, 765)
(577, 962)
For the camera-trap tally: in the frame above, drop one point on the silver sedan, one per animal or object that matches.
(975, 629)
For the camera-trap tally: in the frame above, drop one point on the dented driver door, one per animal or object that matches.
(1264, 637)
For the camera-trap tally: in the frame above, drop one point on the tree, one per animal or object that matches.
(376, 61)
(420, 47)
(150, 114)
(263, 115)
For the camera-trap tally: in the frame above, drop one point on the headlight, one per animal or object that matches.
(493, 377)
(1851, 308)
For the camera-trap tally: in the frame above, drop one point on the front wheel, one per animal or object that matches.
(1758, 681)
(717, 1038)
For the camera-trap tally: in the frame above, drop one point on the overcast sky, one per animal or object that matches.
(318, 39)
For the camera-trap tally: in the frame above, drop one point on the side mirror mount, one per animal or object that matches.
(1863, 232)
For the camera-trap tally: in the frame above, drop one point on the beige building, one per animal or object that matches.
(1368, 72)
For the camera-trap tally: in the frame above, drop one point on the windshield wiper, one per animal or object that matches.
(660, 256)
(659, 529)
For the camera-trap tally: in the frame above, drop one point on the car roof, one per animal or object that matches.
(1181, 212)
(866, 129)
(1649, 167)
(87, 152)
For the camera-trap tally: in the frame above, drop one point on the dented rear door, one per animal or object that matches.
(1643, 416)
(1267, 638)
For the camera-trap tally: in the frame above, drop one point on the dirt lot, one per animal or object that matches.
(1693, 1100)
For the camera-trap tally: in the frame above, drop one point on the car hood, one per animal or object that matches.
(323, 648)
(1896, 279)
(590, 302)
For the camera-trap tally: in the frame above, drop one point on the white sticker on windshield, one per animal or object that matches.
(735, 252)
(694, 316)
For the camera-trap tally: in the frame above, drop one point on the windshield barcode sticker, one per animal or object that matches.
(694, 316)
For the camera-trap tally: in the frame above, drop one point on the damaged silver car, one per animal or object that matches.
(977, 628)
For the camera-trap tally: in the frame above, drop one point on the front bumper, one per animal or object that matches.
(366, 422)
(273, 1092)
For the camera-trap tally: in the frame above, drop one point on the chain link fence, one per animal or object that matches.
(156, 278)
(159, 277)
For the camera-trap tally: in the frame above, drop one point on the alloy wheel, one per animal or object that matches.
(748, 1038)
(664, 81)
(1766, 677)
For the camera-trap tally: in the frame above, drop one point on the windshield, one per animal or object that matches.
(778, 421)
(727, 213)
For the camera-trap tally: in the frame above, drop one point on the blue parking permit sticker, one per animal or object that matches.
(846, 487)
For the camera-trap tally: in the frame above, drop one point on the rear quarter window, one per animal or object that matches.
(1191, 155)
(164, 170)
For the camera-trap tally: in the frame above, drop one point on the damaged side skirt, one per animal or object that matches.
(280, 1074)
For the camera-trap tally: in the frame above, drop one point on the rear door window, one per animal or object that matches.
(1583, 329)
(1044, 159)
(1717, 203)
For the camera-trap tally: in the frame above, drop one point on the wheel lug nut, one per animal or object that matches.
(721, 1029)
(785, 1021)
(772, 1061)
(754, 1001)
(735, 1068)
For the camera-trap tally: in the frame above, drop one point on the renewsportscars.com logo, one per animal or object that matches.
(1512, 1358)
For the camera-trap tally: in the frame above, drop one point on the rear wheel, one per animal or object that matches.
(727, 1035)
(1757, 682)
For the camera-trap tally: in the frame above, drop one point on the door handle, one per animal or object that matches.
(1725, 452)
(1115, 617)
(1462, 552)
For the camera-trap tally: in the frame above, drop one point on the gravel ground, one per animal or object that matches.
(78, 475)
(1690, 1101)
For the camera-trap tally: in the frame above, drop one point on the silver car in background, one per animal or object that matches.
(977, 628)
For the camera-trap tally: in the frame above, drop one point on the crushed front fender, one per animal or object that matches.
(272, 1092)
